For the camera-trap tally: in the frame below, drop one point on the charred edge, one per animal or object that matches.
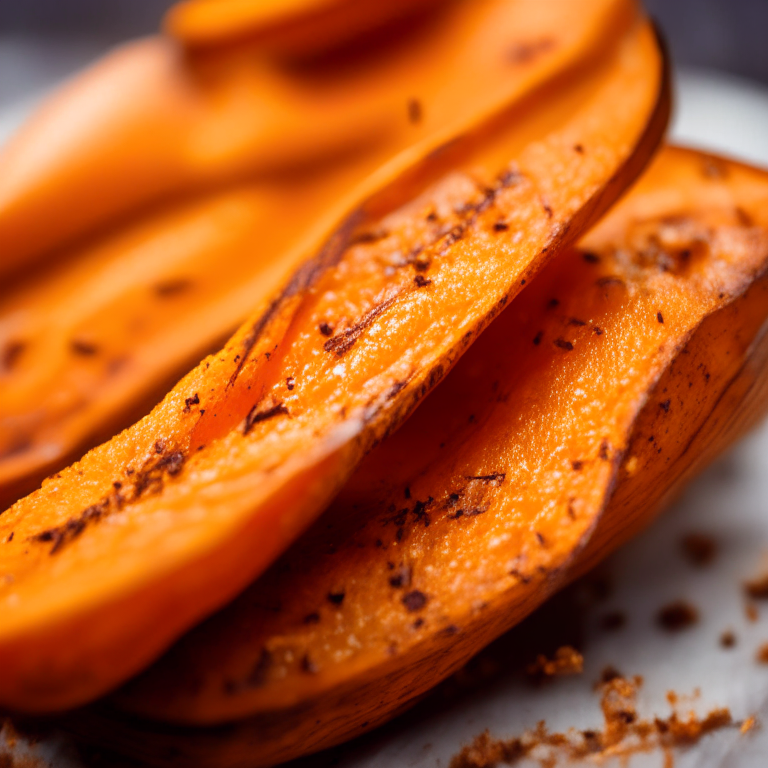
(72, 528)
(303, 278)
(255, 415)
(344, 341)
(496, 477)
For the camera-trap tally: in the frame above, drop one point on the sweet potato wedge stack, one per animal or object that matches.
(114, 557)
(619, 372)
(192, 188)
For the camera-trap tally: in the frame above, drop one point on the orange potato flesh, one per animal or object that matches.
(292, 27)
(87, 343)
(618, 373)
(152, 122)
(251, 445)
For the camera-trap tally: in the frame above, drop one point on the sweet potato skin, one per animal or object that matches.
(665, 307)
(252, 444)
(94, 336)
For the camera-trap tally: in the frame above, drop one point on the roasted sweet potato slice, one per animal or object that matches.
(152, 122)
(620, 371)
(95, 337)
(114, 557)
(296, 27)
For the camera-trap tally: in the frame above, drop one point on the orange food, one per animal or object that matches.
(623, 369)
(97, 332)
(293, 27)
(114, 557)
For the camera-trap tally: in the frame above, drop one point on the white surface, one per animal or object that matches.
(730, 501)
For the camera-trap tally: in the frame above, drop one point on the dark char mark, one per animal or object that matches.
(255, 415)
(344, 341)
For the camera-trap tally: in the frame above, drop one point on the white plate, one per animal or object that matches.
(730, 501)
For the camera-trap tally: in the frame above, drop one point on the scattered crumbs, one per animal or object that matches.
(612, 621)
(757, 588)
(698, 548)
(415, 111)
(762, 654)
(727, 639)
(337, 598)
(414, 600)
(623, 734)
(566, 661)
(677, 616)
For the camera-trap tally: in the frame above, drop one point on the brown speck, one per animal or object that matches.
(577, 465)
(590, 258)
(414, 600)
(172, 287)
(500, 226)
(312, 618)
(659, 317)
(698, 548)
(525, 52)
(664, 405)
(415, 111)
(84, 348)
(402, 578)
(290, 383)
(540, 539)
(579, 148)
(612, 620)
(728, 639)
(159, 446)
(190, 401)
(757, 588)
(604, 452)
(598, 331)
(308, 666)
(563, 344)
(677, 616)
(325, 329)
(337, 598)
(10, 537)
(11, 354)
(538, 337)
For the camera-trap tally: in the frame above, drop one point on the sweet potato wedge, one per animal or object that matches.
(153, 122)
(623, 369)
(114, 557)
(94, 337)
(294, 28)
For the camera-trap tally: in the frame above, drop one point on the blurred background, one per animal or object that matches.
(726, 35)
